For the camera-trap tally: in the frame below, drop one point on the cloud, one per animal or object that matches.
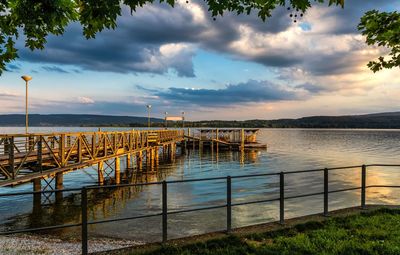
(159, 39)
(235, 94)
(55, 69)
(13, 67)
(86, 100)
(4, 94)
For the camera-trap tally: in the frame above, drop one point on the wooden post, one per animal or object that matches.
(128, 161)
(100, 172)
(40, 154)
(6, 146)
(31, 142)
(156, 156)
(117, 170)
(153, 158)
(37, 197)
(139, 161)
(59, 186)
(11, 156)
(62, 150)
(242, 138)
(79, 148)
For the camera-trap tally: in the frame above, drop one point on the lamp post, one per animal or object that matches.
(183, 119)
(148, 115)
(26, 78)
(166, 123)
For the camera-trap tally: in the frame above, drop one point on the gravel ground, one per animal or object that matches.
(34, 244)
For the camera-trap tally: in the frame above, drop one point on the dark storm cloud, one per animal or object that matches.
(13, 67)
(312, 88)
(249, 92)
(55, 69)
(135, 46)
(137, 40)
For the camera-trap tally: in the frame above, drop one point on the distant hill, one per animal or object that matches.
(376, 120)
(74, 120)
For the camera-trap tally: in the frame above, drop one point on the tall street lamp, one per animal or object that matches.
(148, 114)
(26, 78)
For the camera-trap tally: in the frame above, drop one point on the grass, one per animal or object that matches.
(376, 232)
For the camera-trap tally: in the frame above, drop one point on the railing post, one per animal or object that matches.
(40, 154)
(282, 198)
(363, 185)
(164, 212)
(228, 204)
(11, 156)
(84, 221)
(326, 190)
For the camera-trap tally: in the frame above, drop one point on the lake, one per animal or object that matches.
(288, 150)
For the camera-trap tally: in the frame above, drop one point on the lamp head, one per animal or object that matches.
(149, 106)
(26, 78)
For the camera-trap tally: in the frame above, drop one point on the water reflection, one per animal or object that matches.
(288, 150)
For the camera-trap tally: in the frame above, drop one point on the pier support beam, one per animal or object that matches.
(117, 170)
(156, 156)
(59, 186)
(128, 161)
(37, 198)
(242, 139)
(139, 161)
(100, 173)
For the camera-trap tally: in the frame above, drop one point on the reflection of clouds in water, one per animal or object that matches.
(288, 150)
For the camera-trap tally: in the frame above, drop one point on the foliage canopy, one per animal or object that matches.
(36, 19)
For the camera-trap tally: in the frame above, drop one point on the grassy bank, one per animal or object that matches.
(376, 232)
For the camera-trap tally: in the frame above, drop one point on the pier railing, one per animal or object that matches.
(165, 212)
(67, 151)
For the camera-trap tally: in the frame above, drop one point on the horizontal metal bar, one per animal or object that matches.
(253, 175)
(198, 180)
(322, 169)
(37, 192)
(382, 186)
(40, 229)
(125, 218)
(372, 165)
(123, 185)
(197, 209)
(343, 190)
(305, 195)
(256, 202)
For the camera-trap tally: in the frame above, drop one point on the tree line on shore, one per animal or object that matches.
(379, 120)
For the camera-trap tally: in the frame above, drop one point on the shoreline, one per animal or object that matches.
(32, 244)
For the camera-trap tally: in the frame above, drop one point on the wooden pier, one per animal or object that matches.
(48, 156)
(33, 157)
(224, 138)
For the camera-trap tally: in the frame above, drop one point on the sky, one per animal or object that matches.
(235, 67)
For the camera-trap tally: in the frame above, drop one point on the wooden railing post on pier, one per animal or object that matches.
(40, 154)
(11, 156)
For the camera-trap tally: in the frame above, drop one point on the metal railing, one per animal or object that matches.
(228, 205)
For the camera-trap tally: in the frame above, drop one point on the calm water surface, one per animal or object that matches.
(288, 149)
